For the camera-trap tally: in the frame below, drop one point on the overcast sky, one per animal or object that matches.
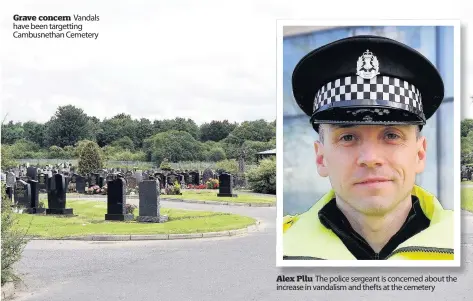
(205, 60)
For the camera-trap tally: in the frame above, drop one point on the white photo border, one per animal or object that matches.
(456, 262)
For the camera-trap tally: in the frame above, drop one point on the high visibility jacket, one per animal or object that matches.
(305, 237)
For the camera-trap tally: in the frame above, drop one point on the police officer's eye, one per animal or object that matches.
(347, 138)
(392, 136)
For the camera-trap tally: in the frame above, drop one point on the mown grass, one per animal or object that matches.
(211, 195)
(90, 219)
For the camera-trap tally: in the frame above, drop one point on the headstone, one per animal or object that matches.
(145, 176)
(93, 179)
(149, 202)
(131, 183)
(11, 179)
(80, 184)
(186, 178)
(57, 196)
(42, 180)
(207, 175)
(116, 201)
(101, 181)
(225, 188)
(9, 192)
(171, 179)
(111, 177)
(22, 194)
(139, 176)
(34, 198)
(73, 178)
(195, 177)
(16, 171)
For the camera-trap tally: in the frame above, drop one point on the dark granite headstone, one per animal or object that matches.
(80, 184)
(195, 178)
(93, 179)
(207, 175)
(57, 195)
(9, 191)
(101, 181)
(145, 176)
(187, 178)
(32, 173)
(73, 178)
(22, 194)
(116, 201)
(34, 198)
(42, 180)
(149, 202)
(225, 188)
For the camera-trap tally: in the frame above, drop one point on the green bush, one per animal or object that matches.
(90, 158)
(13, 239)
(230, 166)
(263, 178)
(165, 165)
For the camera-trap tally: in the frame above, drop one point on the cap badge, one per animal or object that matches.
(367, 66)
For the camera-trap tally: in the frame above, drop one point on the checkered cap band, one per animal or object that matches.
(378, 88)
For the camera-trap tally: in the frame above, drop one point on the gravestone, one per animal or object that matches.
(93, 179)
(186, 178)
(34, 198)
(195, 177)
(11, 179)
(150, 202)
(139, 176)
(207, 175)
(145, 176)
(74, 178)
(22, 194)
(116, 201)
(57, 195)
(42, 181)
(101, 181)
(161, 178)
(9, 192)
(110, 177)
(225, 188)
(131, 183)
(80, 184)
(16, 171)
(32, 173)
(171, 178)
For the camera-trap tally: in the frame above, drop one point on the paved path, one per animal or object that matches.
(230, 268)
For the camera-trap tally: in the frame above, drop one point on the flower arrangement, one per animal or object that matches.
(129, 208)
(212, 184)
(96, 190)
(174, 189)
(200, 186)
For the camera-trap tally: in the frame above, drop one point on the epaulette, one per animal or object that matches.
(288, 221)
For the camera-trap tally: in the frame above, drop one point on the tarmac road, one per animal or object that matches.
(227, 268)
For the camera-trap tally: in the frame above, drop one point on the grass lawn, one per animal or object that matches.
(467, 182)
(211, 195)
(467, 198)
(90, 220)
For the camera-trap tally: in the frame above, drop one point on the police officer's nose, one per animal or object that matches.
(370, 155)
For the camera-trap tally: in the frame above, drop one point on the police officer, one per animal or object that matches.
(368, 98)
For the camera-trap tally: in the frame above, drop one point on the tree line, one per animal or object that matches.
(126, 139)
(466, 129)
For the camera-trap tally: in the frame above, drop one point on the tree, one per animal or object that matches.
(124, 143)
(34, 132)
(466, 127)
(216, 130)
(67, 127)
(90, 158)
(174, 145)
(7, 158)
(12, 132)
(177, 124)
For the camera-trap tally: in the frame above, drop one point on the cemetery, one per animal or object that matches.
(49, 199)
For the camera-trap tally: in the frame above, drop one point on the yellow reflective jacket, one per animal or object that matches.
(305, 237)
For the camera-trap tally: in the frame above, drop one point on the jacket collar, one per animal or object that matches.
(308, 237)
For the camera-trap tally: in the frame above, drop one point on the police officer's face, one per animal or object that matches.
(371, 167)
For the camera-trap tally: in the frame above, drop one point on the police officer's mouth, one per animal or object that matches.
(373, 181)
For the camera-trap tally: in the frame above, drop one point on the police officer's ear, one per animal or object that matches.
(421, 154)
(320, 159)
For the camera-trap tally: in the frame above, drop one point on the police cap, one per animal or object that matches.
(367, 80)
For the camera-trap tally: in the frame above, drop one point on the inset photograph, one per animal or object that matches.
(368, 128)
